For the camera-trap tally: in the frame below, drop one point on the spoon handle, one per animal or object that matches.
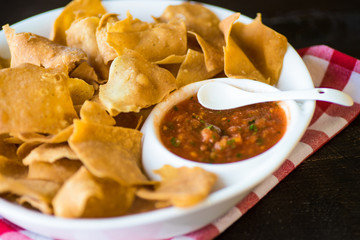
(321, 94)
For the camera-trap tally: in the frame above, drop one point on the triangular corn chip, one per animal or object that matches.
(76, 8)
(58, 171)
(106, 51)
(263, 46)
(182, 187)
(31, 48)
(134, 83)
(205, 24)
(80, 91)
(94, 112)
(193, 69)
(39, 192)
(34, 99)
(32, 137)
(107, 151)
(49, 152)
(155, 41)
(75, 38)
(92, 197)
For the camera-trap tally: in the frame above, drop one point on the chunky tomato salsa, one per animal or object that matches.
(193, 132)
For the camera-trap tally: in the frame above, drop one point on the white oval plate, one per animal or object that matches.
(163, 223)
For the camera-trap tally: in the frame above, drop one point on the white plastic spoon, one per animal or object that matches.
(221, 96)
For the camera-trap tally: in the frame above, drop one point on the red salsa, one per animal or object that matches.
(221, 136)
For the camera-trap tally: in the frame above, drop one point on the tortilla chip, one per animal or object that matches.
(213, 55)
(25, 148)
(193, 69)
(58, 171)
(182, 187)
(262, 45)
(92, 197)
(238, 65)
(75, 9)
(205, 24)
(94, 112)
(38, 50)
(107, 52)
(4, 63)
(85, 72)
(39, 192)
(109, 152)
(82, 34)
(171, 59)
(34, 99)
(155, 41)
(32, 137)
(134, 83)
(50, 152)
(7, 149)
(12, 168)
(80, 91)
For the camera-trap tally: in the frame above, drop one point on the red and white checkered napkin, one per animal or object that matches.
(328, 68)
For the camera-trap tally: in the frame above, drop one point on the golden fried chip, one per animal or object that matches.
(107, 151)
(58, 171)
(107, 52)
(85, 72)
(155, 41)
(193, 69)
(39, 192)
(32, 137)
(49, 152)
(134, 83)
(237, 64)
(80, 91)
(4, 63)
(171, 59)
(262, 45)
(7, 149)
(34, 99)
(38, 50)
(25, 148)
(94, 112)
(205, 24)
(213, 55)
(76, 8)
(92, 197)
(183, 186)
(12, 168)
(82, 34)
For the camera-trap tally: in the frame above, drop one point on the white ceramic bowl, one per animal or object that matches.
(169, 222)
(245, 173)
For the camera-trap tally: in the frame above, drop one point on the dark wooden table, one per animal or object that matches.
(320, 199)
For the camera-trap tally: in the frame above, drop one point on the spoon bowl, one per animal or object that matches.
(220, 96)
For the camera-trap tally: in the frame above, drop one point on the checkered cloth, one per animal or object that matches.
(328, 68)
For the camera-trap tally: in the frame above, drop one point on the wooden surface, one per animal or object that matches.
(320, 199)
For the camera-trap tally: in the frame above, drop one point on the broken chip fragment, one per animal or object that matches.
(180, 187)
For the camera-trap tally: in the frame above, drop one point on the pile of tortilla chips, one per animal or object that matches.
(71, 105)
